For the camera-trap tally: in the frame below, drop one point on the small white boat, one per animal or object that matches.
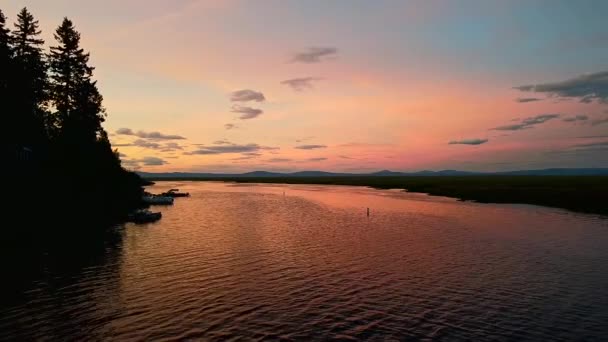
(152, 199)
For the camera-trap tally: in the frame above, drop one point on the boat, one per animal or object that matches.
(175, 193)
(144, 216)
(157, 199)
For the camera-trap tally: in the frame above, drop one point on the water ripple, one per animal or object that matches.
(247, 262)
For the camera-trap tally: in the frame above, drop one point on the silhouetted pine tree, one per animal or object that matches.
(73, 91)
(82, 151)
(73, 176)
(5, 57)
(6, 54)
(30, 83)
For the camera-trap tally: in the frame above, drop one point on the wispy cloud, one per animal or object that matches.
(468, 142)
(586, 88)
(230, 126)
(317, 159)
(593, 144)
(149, 135)
(166, 147)
(247, 155)
(131, 164)
(362, 144)
(279, 160)
(314, 55)
(136, 164)
(256, 154)
(124, 131)
(539, 119)
(246, 95)
(527, 122)
(171, 146)
(221, 142)
(246, 112)
(146, 144)
(310, 147)
(515, 127)
(149, 161)
(527, 99)
(595, 150)
(300, 84)
(229, 148)
(304, 139)
(593, 136)
(575, 118)
(598, 122)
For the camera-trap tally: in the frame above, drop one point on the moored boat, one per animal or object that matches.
(144, 216)
(157, 199)
(175, 193)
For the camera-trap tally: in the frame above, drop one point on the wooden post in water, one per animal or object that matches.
(367, 212)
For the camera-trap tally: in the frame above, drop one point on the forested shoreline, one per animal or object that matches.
(61, 173)
(585, 194)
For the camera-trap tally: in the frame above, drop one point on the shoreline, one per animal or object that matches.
(583, 194)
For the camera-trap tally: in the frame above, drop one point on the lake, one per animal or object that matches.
(306, 262)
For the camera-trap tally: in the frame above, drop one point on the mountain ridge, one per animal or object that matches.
(382, 173)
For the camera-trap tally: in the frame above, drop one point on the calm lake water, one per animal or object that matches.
(304, 262)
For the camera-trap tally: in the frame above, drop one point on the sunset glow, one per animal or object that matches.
(355, 86)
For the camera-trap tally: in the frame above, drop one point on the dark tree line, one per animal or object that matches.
(52, 114)
(24, 80)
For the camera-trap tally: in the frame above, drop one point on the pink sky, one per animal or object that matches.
(390, 84)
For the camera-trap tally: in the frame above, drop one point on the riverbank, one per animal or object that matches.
(587, 194)
(55, 205)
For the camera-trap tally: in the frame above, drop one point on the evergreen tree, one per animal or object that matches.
(30, 78)
(70, 147)
(6, 54)
(83, 152)
(74, 93)
(5, 58)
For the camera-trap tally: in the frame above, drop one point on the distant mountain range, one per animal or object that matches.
(383, 173)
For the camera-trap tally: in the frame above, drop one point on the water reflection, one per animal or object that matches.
(52, 287)
(247, 261)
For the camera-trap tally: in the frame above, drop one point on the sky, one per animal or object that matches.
(346, 85)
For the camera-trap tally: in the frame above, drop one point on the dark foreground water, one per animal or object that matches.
(246, 261)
